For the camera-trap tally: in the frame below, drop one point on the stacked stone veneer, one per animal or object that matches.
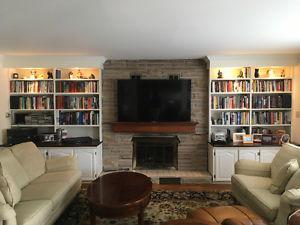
(117, 147)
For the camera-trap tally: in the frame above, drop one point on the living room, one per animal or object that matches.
(160, 112)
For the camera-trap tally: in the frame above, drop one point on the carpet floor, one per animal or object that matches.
(164, 206)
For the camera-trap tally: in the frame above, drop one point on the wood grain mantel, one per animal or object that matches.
(154, 127)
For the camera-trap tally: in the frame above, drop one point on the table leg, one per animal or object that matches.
(92, 217)
(141, 217)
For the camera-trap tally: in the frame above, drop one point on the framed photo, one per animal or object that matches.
(271, 139)
(257, 138)
(247, 139)
(237, 137)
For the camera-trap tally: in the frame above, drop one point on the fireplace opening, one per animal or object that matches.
(155, 152)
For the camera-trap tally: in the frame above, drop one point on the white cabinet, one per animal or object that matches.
(221, 160)
(89, 158)
(225, 160)
(249, 153)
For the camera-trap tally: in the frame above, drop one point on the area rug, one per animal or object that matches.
(164, 206)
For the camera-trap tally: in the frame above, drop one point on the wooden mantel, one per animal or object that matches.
(154, 127)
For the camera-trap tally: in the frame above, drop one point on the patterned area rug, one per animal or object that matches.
(164, 206)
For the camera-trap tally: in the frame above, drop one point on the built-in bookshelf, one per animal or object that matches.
(52, 98)
(250, 99)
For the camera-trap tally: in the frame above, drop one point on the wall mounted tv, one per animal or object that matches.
(154, 100)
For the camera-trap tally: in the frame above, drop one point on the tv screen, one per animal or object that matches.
(154, 100)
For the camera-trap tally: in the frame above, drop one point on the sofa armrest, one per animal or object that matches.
(252, 168)
(8, 214)
(61, 164)
(289, 203)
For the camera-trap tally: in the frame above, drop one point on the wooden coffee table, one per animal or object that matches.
(119, 194)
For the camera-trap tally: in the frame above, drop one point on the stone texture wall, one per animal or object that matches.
(117, 147)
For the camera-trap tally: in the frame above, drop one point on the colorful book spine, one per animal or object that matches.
(77, 102)
(79, 118)
(77, 86)
(31, 86)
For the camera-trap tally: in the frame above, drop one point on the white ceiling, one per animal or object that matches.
(146, 29)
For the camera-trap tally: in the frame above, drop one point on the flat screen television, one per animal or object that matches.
(154, 100)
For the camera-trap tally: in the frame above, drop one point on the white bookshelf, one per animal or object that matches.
(230, 74)
(26, 77)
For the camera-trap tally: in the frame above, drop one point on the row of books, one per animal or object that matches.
(271, 118)
(79, 118)
(31, 87)
(34, 119)
(230, 102)
(78, 86)
(31, 102)
(234, 118)
(76, 102)
(271, 85)
(230, 86)
(274, 101)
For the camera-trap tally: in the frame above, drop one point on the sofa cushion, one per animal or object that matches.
(294, 182)
(285, 154)
(70, 176)
(33, 212)
(2, 199)
(244, 182)
(13, 167)
(9, 189)
(264, 202)
(280, 180)
(30, 158)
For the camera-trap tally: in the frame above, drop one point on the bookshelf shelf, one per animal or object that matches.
(253, 101)
(41, 97)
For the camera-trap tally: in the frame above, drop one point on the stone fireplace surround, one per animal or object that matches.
(118, 148)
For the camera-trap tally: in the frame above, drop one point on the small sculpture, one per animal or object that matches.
(71, 75)
(270, 72)
(50, 75)
(33, 74)
(92, 76)
(79, 74)
(256, 73)
(282, 74)
(241, 74)
(220, 74)
(15, 76)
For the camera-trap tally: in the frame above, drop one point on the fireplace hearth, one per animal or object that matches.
(155, 152)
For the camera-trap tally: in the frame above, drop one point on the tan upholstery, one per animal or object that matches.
(48, 193)
(30, 158)
(280, 180)
(13, 167)
(253, 189)
(253, 168)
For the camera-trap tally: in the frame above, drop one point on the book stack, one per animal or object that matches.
(31, 102)
(77, 86)
(272, 101)
(230, 86)
(79, 118)
(271, 85)
(235, 118)
(230, 102)
(40, 119)
(271, 118)
(31, 87)
(76, 102)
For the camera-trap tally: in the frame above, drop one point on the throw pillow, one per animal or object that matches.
(9, 188)
(283, 176)
(294, 182)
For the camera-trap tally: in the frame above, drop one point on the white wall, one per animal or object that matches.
(4, 102)
(296, 106)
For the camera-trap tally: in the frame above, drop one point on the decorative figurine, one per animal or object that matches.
(270, 72)
(79, 74)
(256, 73)
(15, 76)
(220, 74)
(282, 74)
(92, 76)
(241, 74)
(41, 76)
(50, 75)
(33, 74)
(71, 75)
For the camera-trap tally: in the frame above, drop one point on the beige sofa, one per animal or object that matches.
(35, 191)
(253, 185)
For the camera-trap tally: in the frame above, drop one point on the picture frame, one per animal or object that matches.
(269, 139)
(237, 137)
(257, 138)
(247, 139)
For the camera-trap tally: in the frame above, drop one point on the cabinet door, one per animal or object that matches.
(225, 160)
(267, 154)
(59, 152)
(44, 151)
(249, 153)
(87, 163)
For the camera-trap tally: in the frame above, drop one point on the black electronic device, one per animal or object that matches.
(19, 135)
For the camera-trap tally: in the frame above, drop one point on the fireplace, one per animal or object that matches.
(155, 152)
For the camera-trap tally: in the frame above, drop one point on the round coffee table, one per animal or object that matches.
(119, 194)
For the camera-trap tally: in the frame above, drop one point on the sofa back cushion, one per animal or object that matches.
(283, 176)
(285, 154)
(294, 182)
(2, 199)
(9, 189)
(13, 167)
(30, 158)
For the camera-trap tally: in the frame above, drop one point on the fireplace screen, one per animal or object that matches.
(155, 152)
